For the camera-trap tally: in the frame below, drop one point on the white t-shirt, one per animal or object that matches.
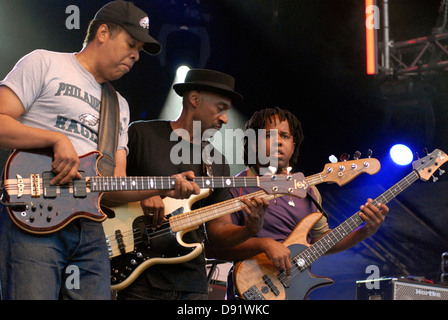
(60, 95)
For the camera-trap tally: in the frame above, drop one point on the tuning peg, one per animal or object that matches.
(441, 171)
(333, 159)
(426, 151)
(357, 155)
(416, 154)
(288, 170)
(344, 157)
(434, 179)
(369, 153)
(291, 202)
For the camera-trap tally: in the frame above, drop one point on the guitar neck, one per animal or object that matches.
(194, 218)
(313, 252)
(104, 184)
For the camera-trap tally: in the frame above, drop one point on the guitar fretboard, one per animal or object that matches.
(104, 184)
(304, 259)
(196, 217)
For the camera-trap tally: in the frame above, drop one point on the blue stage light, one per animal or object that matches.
(401, 154)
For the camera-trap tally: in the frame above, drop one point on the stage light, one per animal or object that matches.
(173, 103)
(401, 154)
(181, 73)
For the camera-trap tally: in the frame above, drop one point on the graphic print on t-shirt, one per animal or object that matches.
(84, 119)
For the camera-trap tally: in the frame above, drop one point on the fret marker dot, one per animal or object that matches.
(301, 262)
(228, 182)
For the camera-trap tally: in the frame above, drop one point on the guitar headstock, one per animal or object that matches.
(297, 185)
(291, 184)
(345, 171)
(427, 166)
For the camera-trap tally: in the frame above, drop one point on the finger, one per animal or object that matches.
(196, 189)
(188, 175)
(178, 187)
(72, 174)
(157, 218)
(265, 203)
(371, 214)
(248, 205)
(288, 268)
(65, 175)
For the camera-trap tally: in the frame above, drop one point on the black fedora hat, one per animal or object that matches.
(134, 20)
(209, 80)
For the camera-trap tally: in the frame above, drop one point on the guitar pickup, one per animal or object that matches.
(49, 190)
(80, 186)
(271, 285)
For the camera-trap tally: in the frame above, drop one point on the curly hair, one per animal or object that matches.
(258, 121)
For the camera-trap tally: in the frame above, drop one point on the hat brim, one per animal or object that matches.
(151, 45)
(180, 88)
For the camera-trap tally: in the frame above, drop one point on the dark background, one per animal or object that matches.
(307, 56)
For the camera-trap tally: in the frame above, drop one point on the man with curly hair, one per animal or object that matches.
(229, 241)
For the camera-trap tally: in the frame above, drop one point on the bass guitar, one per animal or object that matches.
(40, 208)
(134, 246)
(257, 279)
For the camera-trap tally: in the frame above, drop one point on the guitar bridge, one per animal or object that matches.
(35, 185)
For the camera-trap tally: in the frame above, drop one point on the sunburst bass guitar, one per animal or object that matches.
(257, 279)
(134, 246)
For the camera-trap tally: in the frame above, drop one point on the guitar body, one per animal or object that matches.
(134, 246)
(258, 279)
(48, 208)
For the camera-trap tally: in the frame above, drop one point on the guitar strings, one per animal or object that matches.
(388, 195)
(135, 233)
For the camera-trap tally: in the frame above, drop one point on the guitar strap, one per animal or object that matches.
(108, 129)
(317, 204)
(206, 159)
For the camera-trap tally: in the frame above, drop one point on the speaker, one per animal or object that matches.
(399, 289)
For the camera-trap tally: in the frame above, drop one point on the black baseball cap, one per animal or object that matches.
(134, 20)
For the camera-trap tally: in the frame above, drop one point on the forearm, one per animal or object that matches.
(245, 250)
(18, 136)
(229, 235)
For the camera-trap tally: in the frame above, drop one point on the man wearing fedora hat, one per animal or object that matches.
(52, 100)
(206, 95)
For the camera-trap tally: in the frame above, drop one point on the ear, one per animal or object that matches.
(194, 97)
(102, 33)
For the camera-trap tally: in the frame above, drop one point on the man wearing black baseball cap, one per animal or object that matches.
(52, 100)
(134, 20)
